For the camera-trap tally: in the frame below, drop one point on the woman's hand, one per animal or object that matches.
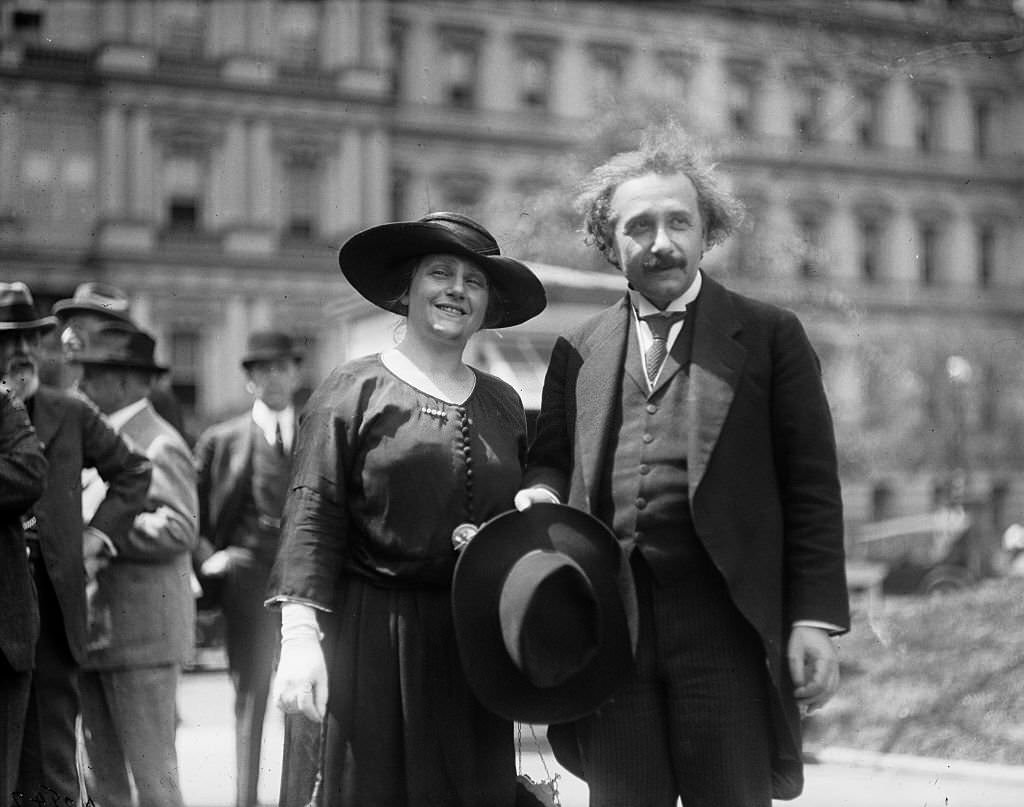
(300, 684)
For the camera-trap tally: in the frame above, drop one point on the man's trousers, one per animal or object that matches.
(129, 725)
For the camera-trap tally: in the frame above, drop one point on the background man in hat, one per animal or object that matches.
(22, 476)
(141, 609)
(94, 304)
(693, 422)
(244, 469)
(74, 436)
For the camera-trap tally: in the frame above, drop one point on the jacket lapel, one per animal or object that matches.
(596, 388)
(47, 416)
(715, 367)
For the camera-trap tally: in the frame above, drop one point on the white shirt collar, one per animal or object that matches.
(645, 307)
(267, 419)
(125, 413)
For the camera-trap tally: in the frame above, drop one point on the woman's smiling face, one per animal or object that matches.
(447, 297)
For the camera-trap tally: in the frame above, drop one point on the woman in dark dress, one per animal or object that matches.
(400, 456)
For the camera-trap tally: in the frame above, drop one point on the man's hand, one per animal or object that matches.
(527, 497)
(814, 666)
(95, 552)
(218, 564)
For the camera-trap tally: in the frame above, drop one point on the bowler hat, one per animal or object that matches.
(372, 261)
(18, 310)
(120, 344)
(545, 614)
(95, 298)
(269, 346)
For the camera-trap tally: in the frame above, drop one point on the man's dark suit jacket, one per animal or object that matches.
(75, 436)
(22, 477)
(224, 465)
(764, 489)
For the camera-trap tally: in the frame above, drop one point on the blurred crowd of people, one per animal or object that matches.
(97, 631)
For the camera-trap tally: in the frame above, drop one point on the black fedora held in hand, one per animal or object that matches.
(95, 298)
(18, 310)
(372, 261)
(120, 344)
(269, 346)
(545, 614)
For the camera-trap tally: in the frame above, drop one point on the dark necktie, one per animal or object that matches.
(660, 324)
(278, 438)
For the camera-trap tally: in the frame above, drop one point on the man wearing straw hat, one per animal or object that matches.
(141, 608)
(63, 553)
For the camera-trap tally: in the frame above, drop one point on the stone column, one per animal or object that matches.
(230, 177)
(959, 252)
(227, 28)
(350, 175)
(140, 166)
(113, 21)
(376, 180)
(141, 22)
(340, 34)
(498, 71)
(9, 140)
(958, 122)
(903, 249)
(259, 28)
(772, 112)
(418, 81)
(570, 81)
(259, 169)
(843, 243)
(899, 114)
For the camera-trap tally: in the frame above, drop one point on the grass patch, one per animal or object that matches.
(939, 676)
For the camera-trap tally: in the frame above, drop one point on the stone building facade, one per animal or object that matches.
(209, 157)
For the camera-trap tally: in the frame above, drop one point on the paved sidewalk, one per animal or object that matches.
(840, 778)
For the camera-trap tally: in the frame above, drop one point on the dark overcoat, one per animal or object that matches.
(764, 489)
(22, 477)
(75, 436)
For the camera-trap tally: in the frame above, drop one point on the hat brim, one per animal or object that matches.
(127, 365)
(254, 358)
(476, 589)
(65, 309)
(41, 324)
(371, 261)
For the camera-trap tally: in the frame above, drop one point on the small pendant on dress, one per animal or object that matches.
(438, 413)
(463, 534)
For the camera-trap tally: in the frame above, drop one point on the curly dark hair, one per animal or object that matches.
(665, 150)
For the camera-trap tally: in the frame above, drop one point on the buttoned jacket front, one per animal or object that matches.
(763, 482)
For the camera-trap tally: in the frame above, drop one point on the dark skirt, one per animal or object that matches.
(403, 727)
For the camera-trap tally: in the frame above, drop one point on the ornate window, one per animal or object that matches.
(460, 63)
(535, 69)
(302, 197)
(181, 26)
(298, 32)
(607, 71)
(928, 102)
(741, 96)
(183, 191)
(675, 72)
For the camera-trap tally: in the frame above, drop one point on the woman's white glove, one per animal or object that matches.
(300, 684)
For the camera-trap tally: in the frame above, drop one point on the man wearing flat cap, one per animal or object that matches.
(63, 554)
(244, 469)
(94, 304)
(141, 608)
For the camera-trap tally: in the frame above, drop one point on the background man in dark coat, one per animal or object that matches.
(141, 609)
(22, 476)
(244, 470)
(705, 441)
(74, 436)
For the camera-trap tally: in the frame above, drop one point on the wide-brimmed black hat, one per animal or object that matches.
(545, 614)
(95, 298)
(18, 310)
(372, 261)
(269, 346)
(120, 344)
